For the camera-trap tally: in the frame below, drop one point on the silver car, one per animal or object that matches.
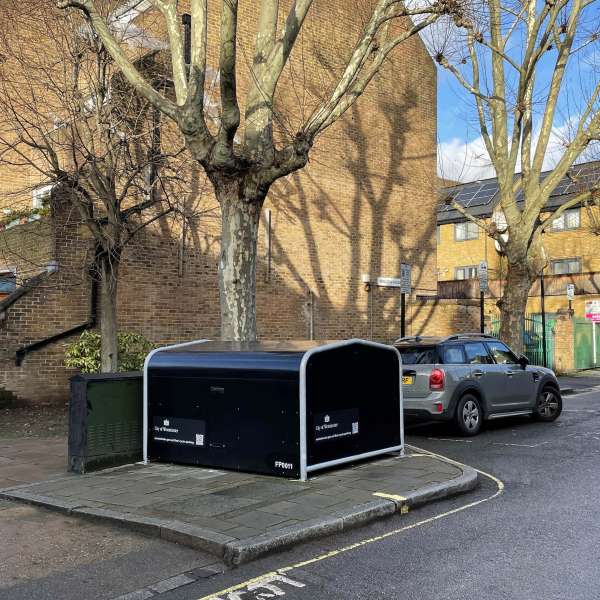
(470, 378)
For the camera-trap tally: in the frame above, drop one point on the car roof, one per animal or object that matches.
(419, 340)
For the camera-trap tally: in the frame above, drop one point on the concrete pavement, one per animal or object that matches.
(239, 517)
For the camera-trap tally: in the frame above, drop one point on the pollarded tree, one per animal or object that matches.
(530, 70)
(70, 119)
(242, 166)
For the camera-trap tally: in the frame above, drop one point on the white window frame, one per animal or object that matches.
(561, 222)
(569, 261)
(40, 195)
(472, 269)
(471, 231)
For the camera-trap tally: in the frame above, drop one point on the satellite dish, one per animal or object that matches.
(500, 220)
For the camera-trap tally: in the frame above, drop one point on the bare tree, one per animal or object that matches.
(243, 166)
(523, 64)
(73, 121)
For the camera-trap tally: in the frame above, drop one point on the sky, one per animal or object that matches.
(461, 152)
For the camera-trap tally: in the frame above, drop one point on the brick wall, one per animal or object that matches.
(364, 204)
(564, 344)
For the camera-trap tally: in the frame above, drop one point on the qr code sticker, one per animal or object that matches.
(355, 427)
(199, 439)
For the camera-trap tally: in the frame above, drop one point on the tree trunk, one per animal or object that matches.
(237, 267)
(513, 304)
(109, 273)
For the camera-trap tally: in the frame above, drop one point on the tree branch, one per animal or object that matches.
(168, 8)
(230, 114)
(132, 75)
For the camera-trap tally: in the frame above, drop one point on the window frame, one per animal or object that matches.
(441, 350)
(563, 218)
(12, 274)
(41, 195)
(557, 261)
(466, 225)
(491, 360)
(475, 270)
(488, 345)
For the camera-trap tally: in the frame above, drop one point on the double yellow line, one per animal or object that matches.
(378, 538)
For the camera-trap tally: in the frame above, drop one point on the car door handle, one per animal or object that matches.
(509, 373)
(478, 373)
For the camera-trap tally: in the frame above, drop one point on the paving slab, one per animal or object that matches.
(239, 516)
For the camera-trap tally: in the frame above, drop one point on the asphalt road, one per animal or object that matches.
(537, 538)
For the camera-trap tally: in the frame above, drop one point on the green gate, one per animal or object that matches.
(533, 339)
(584, 344)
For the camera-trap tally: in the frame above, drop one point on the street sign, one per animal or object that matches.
(405, 278)
(483, 276)
(395, 282)
(570, 291)
(592, 310)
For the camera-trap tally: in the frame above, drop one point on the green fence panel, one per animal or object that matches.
(105, 421)
(584, 344)
(532, 336)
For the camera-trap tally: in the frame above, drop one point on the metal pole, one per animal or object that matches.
(402, 315)
(594, 343)
(543, 297)
(482, 310)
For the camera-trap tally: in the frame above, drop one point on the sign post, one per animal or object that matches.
(570, 295)
(404, 282)
(543, 300)
(405, 288)
(482, 272)
(592, 313)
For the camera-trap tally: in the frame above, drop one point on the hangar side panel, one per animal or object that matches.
(352, 402)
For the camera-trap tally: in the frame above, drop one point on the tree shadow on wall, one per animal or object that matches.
(369, 222)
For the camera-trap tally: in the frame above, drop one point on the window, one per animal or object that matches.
(41, 196)
(564, 266)
(469, 272)
(502, 355)
(8, 282)
(453, 355)
(466, 231)
(422, 355)
(570, 219)
(186, 19)
(477, 354)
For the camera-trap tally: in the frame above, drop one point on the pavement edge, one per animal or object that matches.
(236, 552)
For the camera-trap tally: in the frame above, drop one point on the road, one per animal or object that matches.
(537, 538)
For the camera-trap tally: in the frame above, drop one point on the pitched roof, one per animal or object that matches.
(481, 197)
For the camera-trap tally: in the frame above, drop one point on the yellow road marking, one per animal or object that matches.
(378, 538)
(390, 496)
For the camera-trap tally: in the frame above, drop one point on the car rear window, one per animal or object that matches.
(452, 355)
(420, 355)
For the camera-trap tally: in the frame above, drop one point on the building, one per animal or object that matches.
(572, 246)
(364, 204)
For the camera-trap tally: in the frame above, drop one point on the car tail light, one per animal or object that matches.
(437, 379)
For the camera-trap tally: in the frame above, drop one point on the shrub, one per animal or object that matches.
(84, 353)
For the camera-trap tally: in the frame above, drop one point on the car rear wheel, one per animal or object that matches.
(549, 404)
(469, 416)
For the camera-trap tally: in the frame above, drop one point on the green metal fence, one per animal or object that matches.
(583, 331)
(532, 336)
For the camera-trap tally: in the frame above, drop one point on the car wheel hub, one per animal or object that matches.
(470, 414)
(547, 404)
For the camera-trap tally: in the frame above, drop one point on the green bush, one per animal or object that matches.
(84, 353)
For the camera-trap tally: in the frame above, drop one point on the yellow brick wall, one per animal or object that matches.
(580, 243)
(452, 253)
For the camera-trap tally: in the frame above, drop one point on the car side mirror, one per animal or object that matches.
(523, 361)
